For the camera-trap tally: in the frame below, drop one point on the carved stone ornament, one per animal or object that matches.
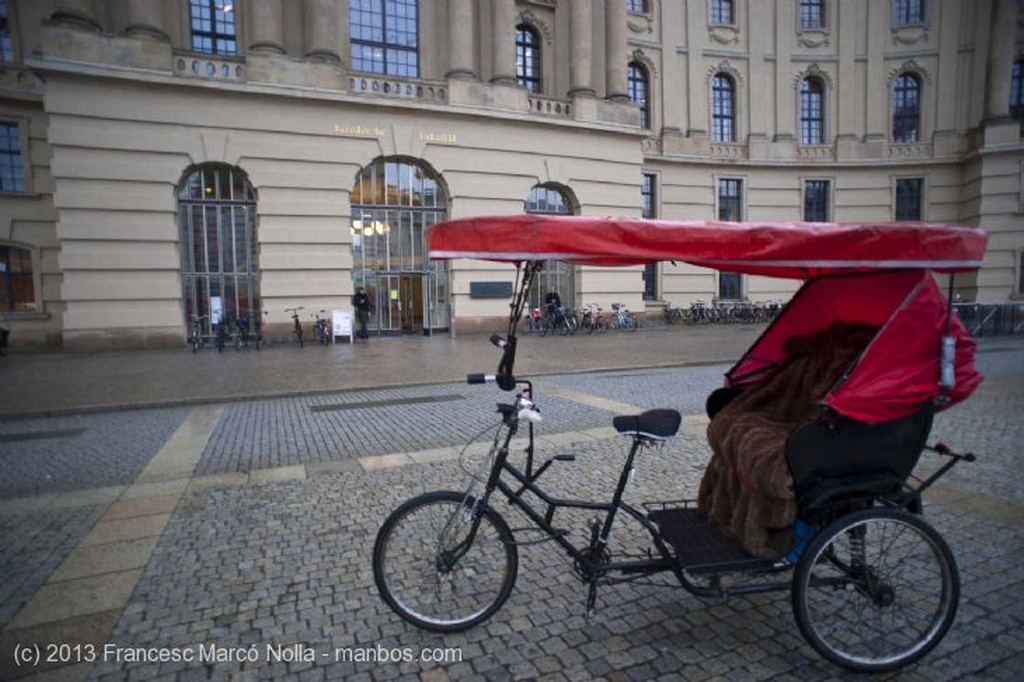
(640, 23)
(815, 37)
(909, 35)
(724, 35)
(814, 71)
(532, 20)
(639, 56)
(909, 66)
(550, 4)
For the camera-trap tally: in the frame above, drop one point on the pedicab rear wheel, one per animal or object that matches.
(875, 590)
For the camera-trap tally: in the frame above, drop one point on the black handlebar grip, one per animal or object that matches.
(476, 378)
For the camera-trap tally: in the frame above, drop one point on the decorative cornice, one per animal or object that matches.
(725, 66)
(814, 71)
(530, 19)
(909, 66)
(648, 63)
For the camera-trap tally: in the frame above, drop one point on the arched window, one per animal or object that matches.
(1017, 91)
(639, 88)
(812, 114)
(219, 251)
(394, 200)
(556, 275)
(528, 58)
(17, 288)
(906, 95)
(385, 37)
(723, 109)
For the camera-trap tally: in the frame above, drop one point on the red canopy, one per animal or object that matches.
(793, 250)
(899, 370)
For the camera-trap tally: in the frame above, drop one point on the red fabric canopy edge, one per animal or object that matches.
(795, 250)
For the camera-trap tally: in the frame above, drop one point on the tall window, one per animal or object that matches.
(723, 12)
(12, 170)
(213, 26)
(812, 115)
(556, 275)
(908, 198)
(816, 201)
(906, 95)
(730, 207)
(528, 58)
(384, 36)
(637, 6)
(394, 200)
(723, 109)
(6, 47)
(812, 13)
(17, 291)
(639, 87)
(648, 190)
(219, 254)
(1017, 91)
(907, 12)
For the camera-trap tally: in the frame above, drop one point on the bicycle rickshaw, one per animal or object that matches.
(827, 508)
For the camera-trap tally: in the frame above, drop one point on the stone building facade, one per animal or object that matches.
(169, 160)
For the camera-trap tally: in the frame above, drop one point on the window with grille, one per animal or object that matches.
(639, 86)
(648, 190)
(12, 168)
(909, 198)
(17, 289)
(385, 36)
(812, 14)
(723, 114)
(906, 97)
(637, 6)
(816, 201)
(6, 45)
(723, 12)
(528, 58)
(812, 114)
(219, 251)
(907, 12)
(730, 208)
(213, 26)
(1017, 91)
(556, 275)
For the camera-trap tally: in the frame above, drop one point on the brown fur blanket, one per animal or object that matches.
(747, 490)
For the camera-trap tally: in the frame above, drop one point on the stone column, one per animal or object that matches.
(460, 39)
(267, 27)
(877, 105)
(1000, 59)
(616, 49)
(503, 42)
(76, 14)
(322, 42)
(145, 20)
(581, 49)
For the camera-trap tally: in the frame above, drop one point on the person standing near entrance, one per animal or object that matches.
(361, 303)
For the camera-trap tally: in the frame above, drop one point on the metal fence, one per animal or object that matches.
(992, 319)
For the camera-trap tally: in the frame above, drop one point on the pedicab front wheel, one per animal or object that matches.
(875, 590)
(443, 563)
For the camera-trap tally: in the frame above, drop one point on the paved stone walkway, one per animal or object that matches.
(244, 529)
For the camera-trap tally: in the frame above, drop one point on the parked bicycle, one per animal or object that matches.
(322, 329)
(622, 318)
(5, 333)
(220, 332)
(196, 334)
(296, 324)
(594, 319)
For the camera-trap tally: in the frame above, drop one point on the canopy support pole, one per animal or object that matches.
(947, 362)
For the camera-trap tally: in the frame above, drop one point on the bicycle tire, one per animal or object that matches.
(886, 612)
(407, 563)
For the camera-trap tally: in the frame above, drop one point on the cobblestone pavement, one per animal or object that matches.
(241, 528)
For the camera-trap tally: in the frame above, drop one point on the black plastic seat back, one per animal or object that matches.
(841, 457)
